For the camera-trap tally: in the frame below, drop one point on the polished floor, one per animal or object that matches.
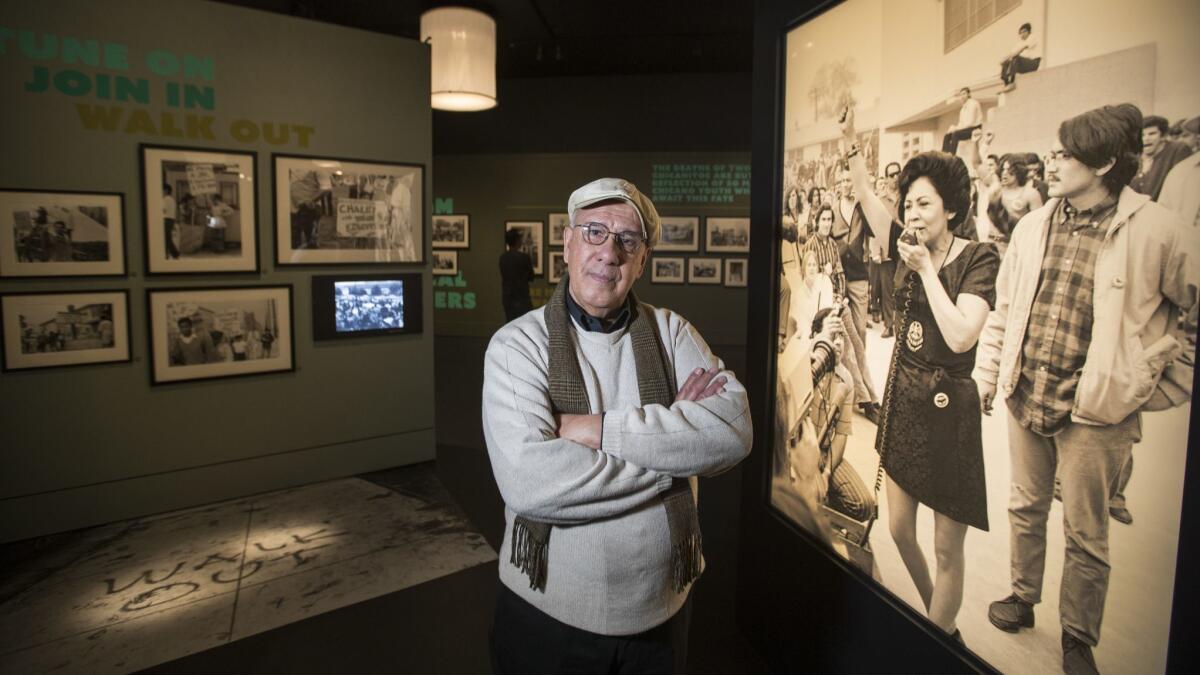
(1142, 555)
(131, 595)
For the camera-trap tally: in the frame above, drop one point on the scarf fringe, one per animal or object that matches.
(656, 384)
(685, 562)
(530, 544)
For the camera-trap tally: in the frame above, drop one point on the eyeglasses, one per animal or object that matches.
(596, 234)
(894, 175)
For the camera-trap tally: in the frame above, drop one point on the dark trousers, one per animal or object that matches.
(950, 141)
(887, 293)
(1012, 67)
(873, 274)
(169, 237)
(516, 307)
(526, 641)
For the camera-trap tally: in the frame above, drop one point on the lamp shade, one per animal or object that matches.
(463, 43)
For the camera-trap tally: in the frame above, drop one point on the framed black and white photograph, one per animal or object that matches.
(61, 233)
(975, 521)
(679, 233)
(331, 211)
(199, 210)
(451, 231)
(704, 270)
(727, 235)
(205, 333)
(362, 305)
(666, 270)
(557, 222)
(531, 240)
(735, 272)
(445, 263)
(48, 330)
(558, 267)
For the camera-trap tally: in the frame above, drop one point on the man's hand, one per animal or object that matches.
(830, 326)
(701, 384)
(583, 429)
(987, 394)
(846, 123)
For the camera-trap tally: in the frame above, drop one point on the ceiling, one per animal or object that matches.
(548, 38)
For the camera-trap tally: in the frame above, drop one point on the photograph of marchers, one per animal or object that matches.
(336, 211)
(704, 270)
(727, 235)
(666, 270)
(200, 210)
(445, 263)
(679, 233)
(452, 231)
(46, 330)
(203, 333)
(988, 277)
(55, 233)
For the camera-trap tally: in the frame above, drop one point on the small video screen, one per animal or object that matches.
(368, 305)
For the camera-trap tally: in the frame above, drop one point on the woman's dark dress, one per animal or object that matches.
(929, 434)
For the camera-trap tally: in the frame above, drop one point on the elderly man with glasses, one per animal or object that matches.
(596, 449)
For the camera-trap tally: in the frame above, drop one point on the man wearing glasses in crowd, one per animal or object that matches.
(596, 450)
(887, 264)
(1086, 301)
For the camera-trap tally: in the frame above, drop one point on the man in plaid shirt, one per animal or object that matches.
(1085, 299)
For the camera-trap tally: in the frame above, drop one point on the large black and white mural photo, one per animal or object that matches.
(987, 314)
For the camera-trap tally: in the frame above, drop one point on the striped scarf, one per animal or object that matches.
(568, 395)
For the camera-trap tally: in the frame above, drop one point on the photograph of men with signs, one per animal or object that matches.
(200, 210)
(1005, 273)
(330, 211)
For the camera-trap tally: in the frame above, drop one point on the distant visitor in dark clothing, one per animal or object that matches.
(516, 271)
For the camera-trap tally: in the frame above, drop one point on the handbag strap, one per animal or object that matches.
(909, 290)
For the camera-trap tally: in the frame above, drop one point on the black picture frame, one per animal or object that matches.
(159, 315)
(14, 358)
(324, 305)
(11, 265)
(863, 627)
(194, 235)
(292, 239)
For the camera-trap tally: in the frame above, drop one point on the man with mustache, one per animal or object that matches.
(1086, 299)
(596, 451)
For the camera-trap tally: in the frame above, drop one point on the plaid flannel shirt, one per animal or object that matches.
(1060, 320)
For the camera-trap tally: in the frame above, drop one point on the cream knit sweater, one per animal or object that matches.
(609, 552)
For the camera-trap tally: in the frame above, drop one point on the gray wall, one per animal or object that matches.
(495, 188)
(696, 112)
(86, 445)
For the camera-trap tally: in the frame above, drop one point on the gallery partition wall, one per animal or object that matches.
(176, 173)
(831, 578)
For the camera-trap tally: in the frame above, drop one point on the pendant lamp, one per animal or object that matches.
(463, 50)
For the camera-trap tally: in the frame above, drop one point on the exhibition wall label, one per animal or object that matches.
(158, 93)
(700, 183)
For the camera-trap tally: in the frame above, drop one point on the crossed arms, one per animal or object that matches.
(545, 472)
